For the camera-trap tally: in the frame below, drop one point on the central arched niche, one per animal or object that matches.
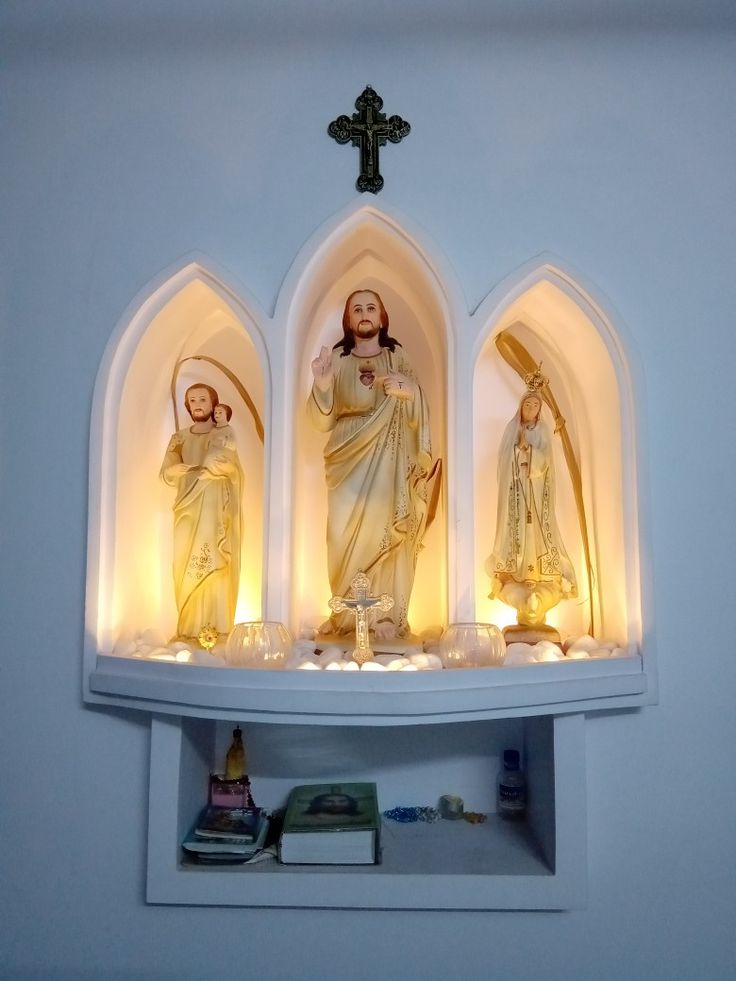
(560, 325)
(372, 251)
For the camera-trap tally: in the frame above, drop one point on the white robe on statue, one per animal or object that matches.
(528, 546)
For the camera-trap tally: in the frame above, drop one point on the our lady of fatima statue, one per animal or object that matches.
(529, 565)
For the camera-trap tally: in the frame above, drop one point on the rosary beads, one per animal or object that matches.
(407, 815)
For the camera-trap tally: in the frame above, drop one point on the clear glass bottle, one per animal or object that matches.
(511, 788)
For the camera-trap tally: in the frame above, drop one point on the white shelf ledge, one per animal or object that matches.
(337, 698)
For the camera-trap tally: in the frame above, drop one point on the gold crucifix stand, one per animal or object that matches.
(359, 602)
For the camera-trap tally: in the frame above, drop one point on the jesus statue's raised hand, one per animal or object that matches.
(322, 369)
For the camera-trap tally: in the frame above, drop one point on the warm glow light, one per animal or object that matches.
(249, 603)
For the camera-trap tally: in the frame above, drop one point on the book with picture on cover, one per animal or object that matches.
(226, 850)
(236, 824)
(331, 824)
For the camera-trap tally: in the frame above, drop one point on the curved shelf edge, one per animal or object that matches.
(335, 698)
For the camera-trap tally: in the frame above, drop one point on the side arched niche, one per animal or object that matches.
(372, 251)
(559, 324)
(185, 329)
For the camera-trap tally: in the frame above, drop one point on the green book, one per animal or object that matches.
(331, 824)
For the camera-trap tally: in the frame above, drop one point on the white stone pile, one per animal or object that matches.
(305, 658)
(150, 645)
(581, 648)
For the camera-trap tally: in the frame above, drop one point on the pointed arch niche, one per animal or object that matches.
(560, 324)
(367, 250)
(186, 327)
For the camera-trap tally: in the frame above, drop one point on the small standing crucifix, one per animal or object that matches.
(359, 603)
(369, 129)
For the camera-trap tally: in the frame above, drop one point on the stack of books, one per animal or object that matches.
(331, 824)
(229, 835)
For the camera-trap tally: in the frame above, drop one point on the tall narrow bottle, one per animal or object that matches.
(235, 759)
(511, 788)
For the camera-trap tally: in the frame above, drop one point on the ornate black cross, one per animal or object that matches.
(369, 129)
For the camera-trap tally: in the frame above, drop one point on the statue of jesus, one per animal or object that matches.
(378, 461)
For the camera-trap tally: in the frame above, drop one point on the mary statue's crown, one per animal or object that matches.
(535, 380)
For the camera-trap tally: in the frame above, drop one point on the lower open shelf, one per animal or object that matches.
(535, 864)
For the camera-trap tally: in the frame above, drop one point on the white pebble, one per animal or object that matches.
(162, 653)
(307, 666)
(350, 666)
(426, 662)
(372, 666)
(206, 660)
(183, 655)
(577, 655)
(545, 650)
(519, 648)
(546, 655)
(600, 652)
(610, 644)
(297, 658)
(518, 654)
(619, 652)
(333, 666)
(584, 643)
(397, 664)
(331, 654)
(410, 667)
(514, 659)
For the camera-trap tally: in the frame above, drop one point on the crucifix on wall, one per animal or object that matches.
(369, 129)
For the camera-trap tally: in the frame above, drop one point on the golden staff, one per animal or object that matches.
(228, 374)
(515, 354)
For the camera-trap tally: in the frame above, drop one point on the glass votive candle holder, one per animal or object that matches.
(263, 644)
(472, 645)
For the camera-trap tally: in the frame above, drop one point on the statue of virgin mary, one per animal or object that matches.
(529, 565)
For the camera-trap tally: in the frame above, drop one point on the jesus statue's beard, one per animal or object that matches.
(366, 330)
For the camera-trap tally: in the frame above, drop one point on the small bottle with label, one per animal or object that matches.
(511, 788)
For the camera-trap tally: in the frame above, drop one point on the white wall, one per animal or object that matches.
(129, 140)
